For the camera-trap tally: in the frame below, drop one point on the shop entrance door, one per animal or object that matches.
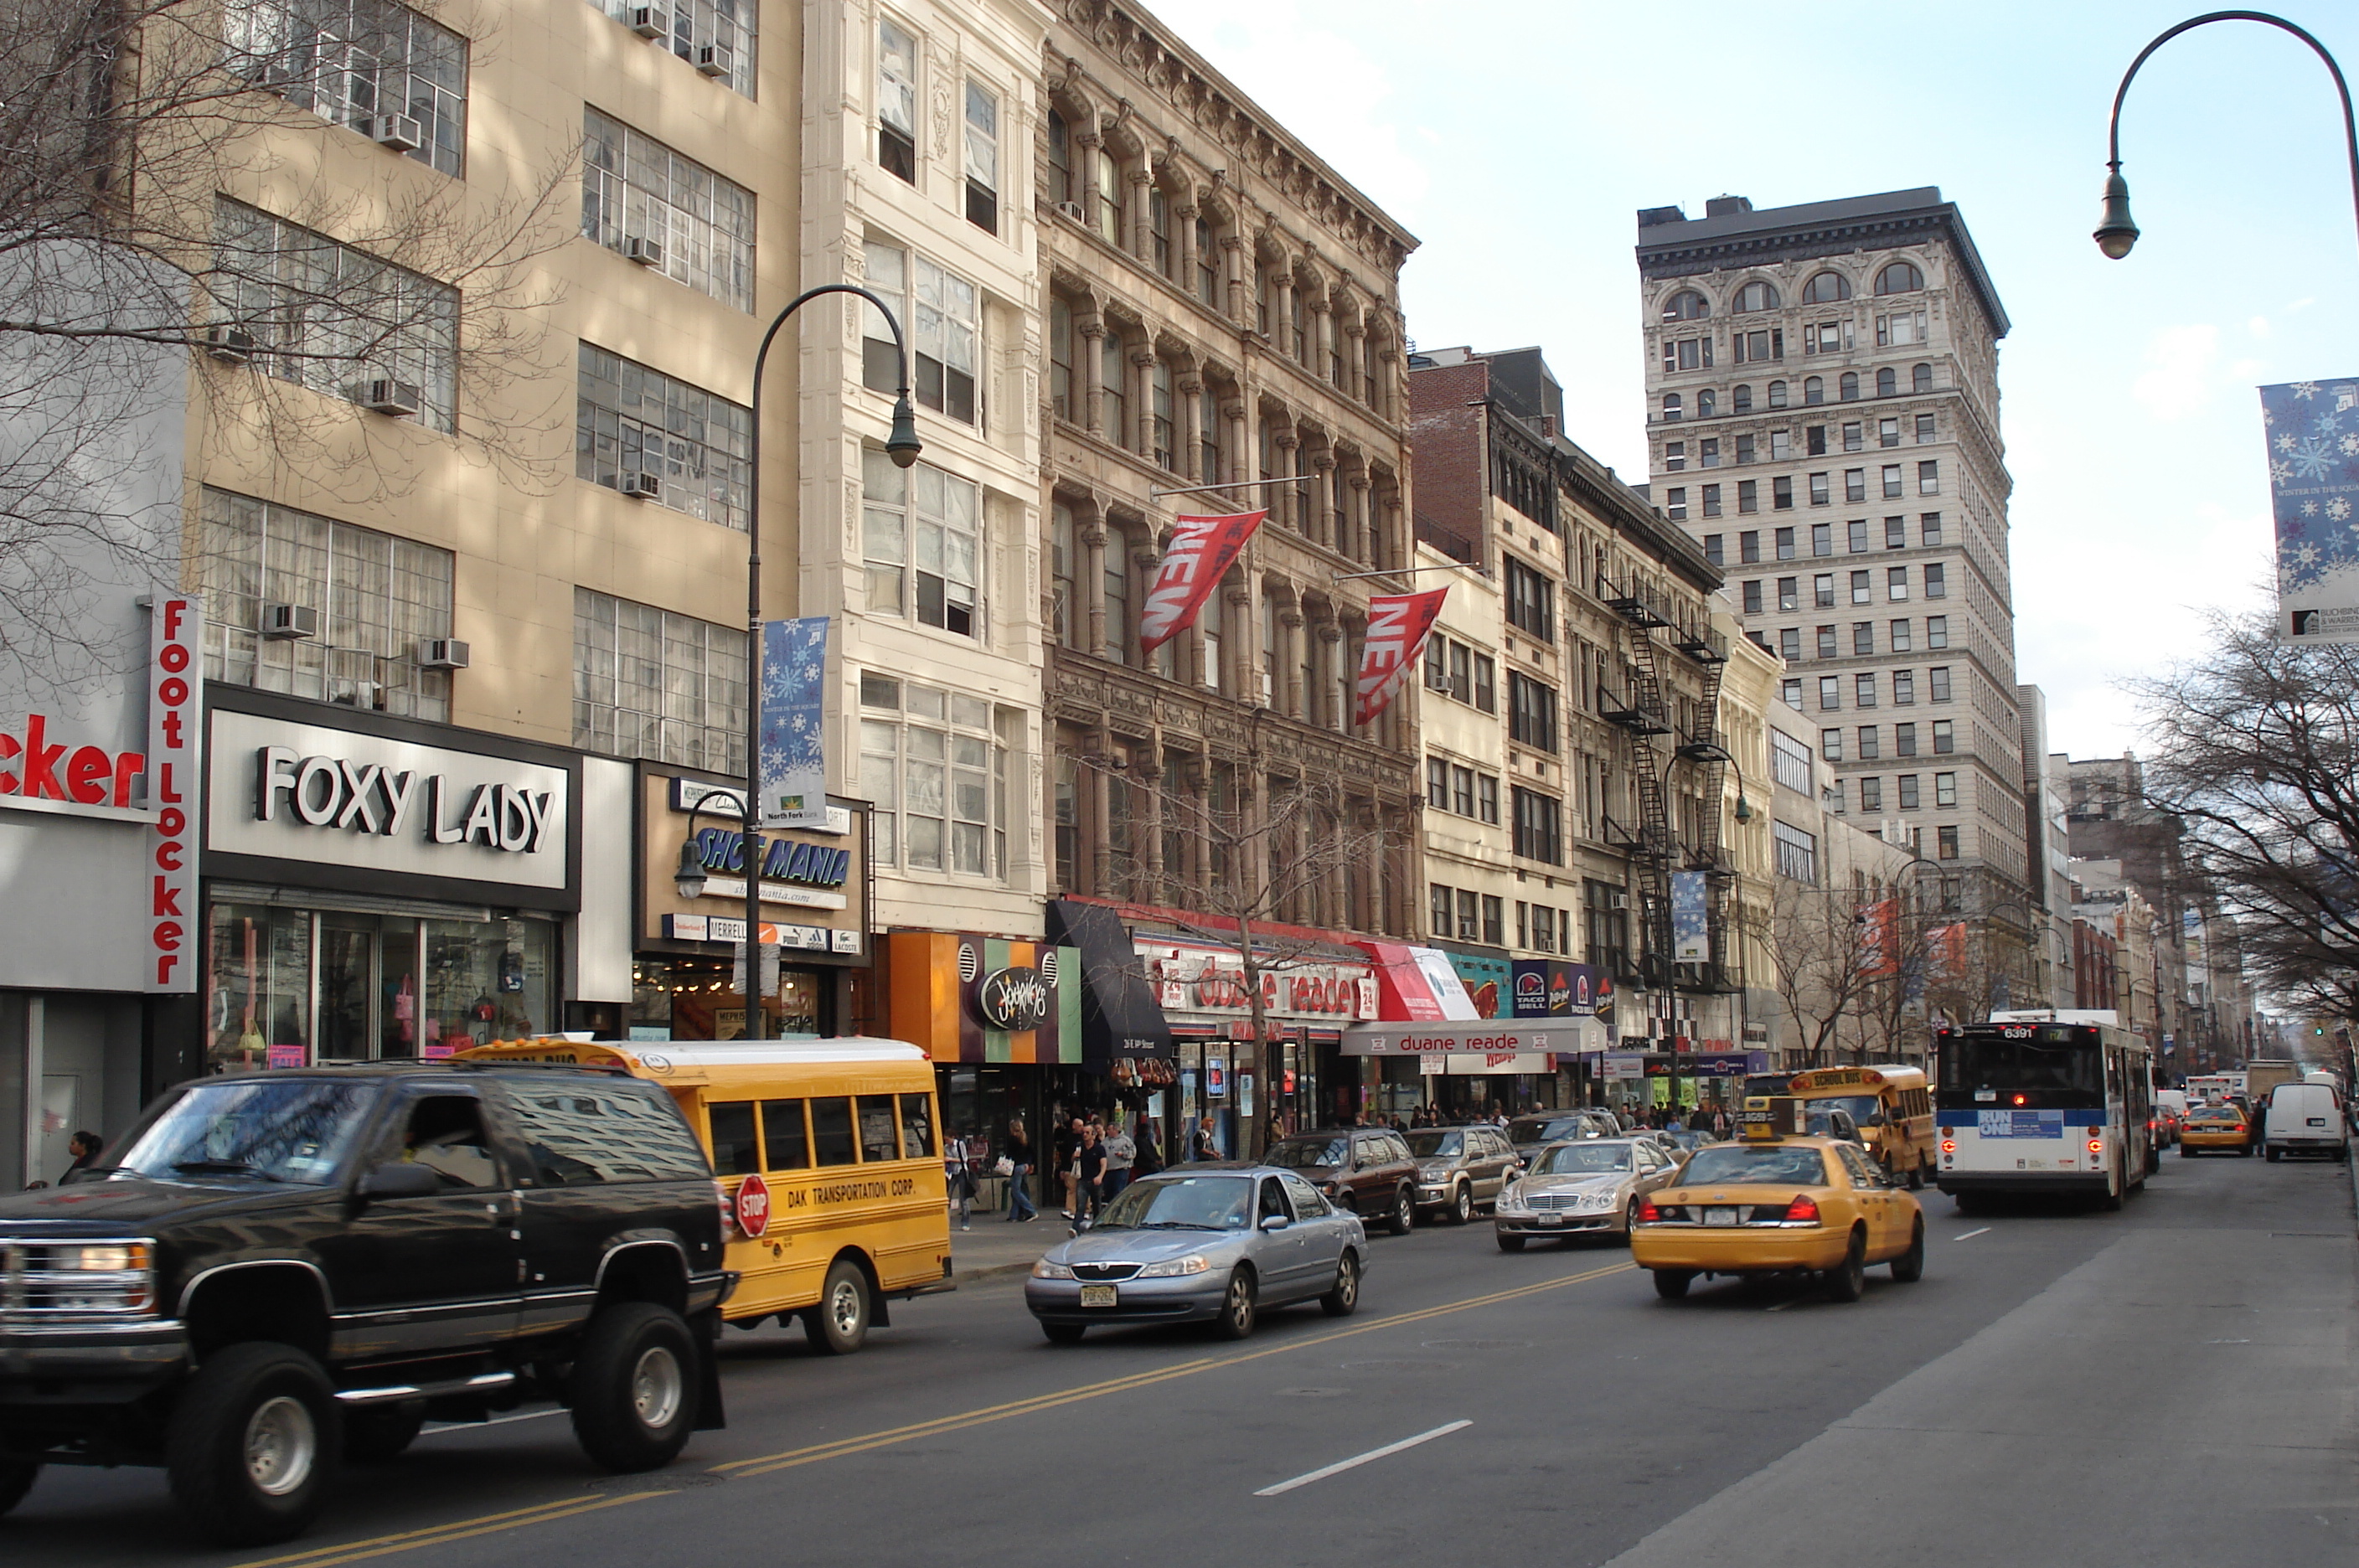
(347, 987)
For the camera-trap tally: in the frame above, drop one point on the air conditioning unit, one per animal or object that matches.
(645, 252)
(231, 346)
(716, 60)
(644, 487)
(649, 22)
(286, 623)
(1617, 899)
(357, 693)
(441, 653)
(402, 133)
(1071, 209)
(401, 399)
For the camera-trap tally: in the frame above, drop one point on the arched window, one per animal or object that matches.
(1850, 386)
(1686, 305)
(1899, 278)
(1672, 405)
(1742, 402)
(1706, 404)
(1826, 289)
(1886, 383)
(1814, 390)
(1921, 378)
(1757, 295)
(1776, 394)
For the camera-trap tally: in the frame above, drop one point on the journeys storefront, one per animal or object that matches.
(1001, 1019)
(687, 965)
(377, 887)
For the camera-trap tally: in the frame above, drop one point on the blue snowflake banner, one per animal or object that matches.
(793, 675)
(2314, 439)
(1691, 919)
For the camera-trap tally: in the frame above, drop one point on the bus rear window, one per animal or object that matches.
(2025, 1066)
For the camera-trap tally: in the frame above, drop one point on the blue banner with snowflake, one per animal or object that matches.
(1691, 919)
(2314, 435)
(794, 722)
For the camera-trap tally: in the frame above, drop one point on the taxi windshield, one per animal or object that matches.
(1583, 1159)
(1774, 1164)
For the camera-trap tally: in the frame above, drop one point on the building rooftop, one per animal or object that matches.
(1670, 243)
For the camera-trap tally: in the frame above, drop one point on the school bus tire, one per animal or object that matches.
(838, 1324)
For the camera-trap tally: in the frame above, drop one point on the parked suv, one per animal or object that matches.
(1365, 1171)
(1460, 1170)
(272, 1273)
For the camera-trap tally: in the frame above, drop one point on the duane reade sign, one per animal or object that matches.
(335, 797)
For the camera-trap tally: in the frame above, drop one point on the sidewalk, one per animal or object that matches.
(995, 1249)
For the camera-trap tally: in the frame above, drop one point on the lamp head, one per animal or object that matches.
(689, 878)
(2116, 232)
(1744, 807)
(903, 445)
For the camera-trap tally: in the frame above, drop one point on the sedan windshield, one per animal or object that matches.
(1305, 1153)
(1583, 1159)
(1182, 1202)
(1774, 1165)
(286, 1129)
(1435, 1145)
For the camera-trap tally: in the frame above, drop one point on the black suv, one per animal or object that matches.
(279, 1271)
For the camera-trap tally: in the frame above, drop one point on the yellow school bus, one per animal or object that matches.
(830, 1154)
(1892, 1105)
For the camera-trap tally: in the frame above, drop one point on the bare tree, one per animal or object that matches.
(1823, 964)
(2255, 751)
(124, 264)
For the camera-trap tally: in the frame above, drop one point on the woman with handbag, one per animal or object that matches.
(1016, 1165)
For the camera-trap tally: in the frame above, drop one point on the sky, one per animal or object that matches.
(1517, 138)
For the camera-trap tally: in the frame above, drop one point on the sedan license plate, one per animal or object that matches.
(1097, 1295)
(1551, 1219)
(1720, 1216)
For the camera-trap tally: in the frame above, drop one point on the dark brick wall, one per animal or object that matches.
(1446, 434)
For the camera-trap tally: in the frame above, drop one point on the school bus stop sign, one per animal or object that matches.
(753, 1207)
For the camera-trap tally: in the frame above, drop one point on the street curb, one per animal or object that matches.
(2351, 1165)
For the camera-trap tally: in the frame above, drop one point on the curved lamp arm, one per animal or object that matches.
(2115, 233)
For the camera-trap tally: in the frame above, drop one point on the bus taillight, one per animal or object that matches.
(2096, 1145)
(2023, 1099)
(1948, 1146)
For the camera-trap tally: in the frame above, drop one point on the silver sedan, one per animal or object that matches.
(1589, 1188)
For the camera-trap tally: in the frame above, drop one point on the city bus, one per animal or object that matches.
(1890, 1105)
(2043, 1104)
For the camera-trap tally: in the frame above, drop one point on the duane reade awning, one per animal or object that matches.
(1482, 1038)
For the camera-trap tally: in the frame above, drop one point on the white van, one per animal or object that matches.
(2305, 1118)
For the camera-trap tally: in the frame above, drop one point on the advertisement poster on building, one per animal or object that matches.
(2312, 428)
(1690, 924)
(1397, 626)
(793, 768)
(1202, 551)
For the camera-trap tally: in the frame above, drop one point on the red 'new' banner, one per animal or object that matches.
(1398, 625)
(1203, 549)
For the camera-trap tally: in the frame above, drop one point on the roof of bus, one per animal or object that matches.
(1877, 1076)
(692, 1060)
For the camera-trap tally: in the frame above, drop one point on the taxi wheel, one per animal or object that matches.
(1510, 1243)
(1848, 1281)
(1909, 1266)
(1461, 1205)
(1671, 1284)
(2185, 1152)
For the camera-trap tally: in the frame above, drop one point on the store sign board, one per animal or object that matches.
(330, 797)
(813, 879)
(1192, 978)
(1486, 1037)
(175, 753)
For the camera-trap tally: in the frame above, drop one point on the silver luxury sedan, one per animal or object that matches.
(1586, 1188)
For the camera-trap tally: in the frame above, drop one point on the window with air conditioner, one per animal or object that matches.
(636, 188)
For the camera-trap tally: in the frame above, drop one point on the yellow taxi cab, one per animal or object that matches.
(1778, 1201)
(2214, 1127)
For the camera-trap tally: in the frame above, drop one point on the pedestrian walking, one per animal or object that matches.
(1089, 1176)
(1068, 1152)
(1121, 1153)
(1019, 1161)
(958, 1180)
(1202, 1144)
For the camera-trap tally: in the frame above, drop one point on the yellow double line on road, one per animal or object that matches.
(766, 1463)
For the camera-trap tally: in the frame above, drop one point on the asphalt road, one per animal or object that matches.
(2173, 1384)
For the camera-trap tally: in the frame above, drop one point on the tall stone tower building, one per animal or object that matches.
(1822, 401)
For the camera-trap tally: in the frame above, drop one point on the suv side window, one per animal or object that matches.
(1307, 1203)
(582, 1133)
(1394, 1148)
(445, 1134)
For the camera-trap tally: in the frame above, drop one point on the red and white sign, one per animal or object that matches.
(1398, 627)
(1419, 985)
(1192, 979)
(1202, 551)
(753, 1207)
(175, 743)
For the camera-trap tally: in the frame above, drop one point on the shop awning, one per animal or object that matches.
(1481, 1036)
(1120, 1017)
(1419, 985)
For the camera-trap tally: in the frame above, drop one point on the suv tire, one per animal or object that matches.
(839, 1324)
(374, 1434)
(634, 1386)
(17, 1479)
(252, 1446)
(1462, 1203)
(1404, 1216)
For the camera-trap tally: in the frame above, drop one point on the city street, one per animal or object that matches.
(2170, 1384)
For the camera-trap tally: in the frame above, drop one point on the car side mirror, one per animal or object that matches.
(1275, 1221)
(400, 1179)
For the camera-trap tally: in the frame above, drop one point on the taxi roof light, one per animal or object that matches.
(1802, 1210)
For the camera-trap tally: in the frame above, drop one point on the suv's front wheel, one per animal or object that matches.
(1404, 1216)
(253, 1445)
(634, 1382)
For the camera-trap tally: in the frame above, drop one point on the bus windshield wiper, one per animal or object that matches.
(234, 1167)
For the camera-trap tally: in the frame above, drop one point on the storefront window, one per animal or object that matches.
(680, 998)
(257, 983)
(486, 981)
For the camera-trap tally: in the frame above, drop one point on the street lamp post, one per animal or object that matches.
(903, 446)
(2115, 233)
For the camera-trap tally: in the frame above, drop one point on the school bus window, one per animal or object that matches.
(917, 1126)
(785, 1145)
(831, 1130)
(734, 1153)
(878, 1139)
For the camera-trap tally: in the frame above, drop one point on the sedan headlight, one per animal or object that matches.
(1044, 1269)
(1173, 1267)
(1511, 1198)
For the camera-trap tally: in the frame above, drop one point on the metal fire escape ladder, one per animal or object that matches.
(1647, 718)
